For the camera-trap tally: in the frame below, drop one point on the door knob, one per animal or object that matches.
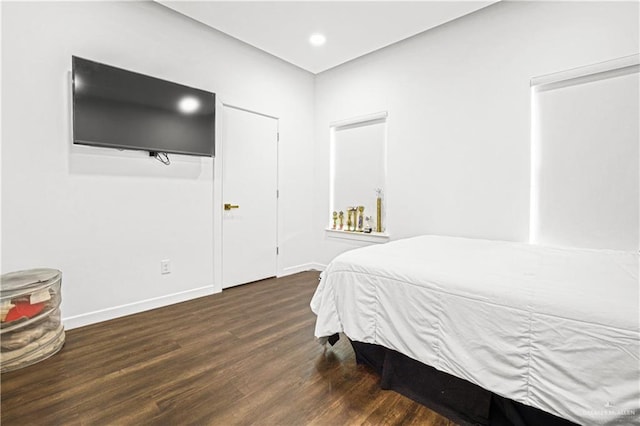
(228, 206)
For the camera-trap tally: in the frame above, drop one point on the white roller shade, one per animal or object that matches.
(585, 156)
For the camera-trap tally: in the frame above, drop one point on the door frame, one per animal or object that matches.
(218, 196)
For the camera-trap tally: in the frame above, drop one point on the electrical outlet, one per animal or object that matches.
(165, 266)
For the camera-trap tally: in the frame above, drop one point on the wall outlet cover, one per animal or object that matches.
(165, 266)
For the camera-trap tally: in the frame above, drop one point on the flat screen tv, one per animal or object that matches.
(116, 108)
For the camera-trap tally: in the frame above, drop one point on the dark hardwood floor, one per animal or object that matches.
(245, 356)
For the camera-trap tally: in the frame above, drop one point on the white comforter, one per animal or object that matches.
(553, 328)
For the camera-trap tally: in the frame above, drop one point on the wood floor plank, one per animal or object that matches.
(246, 356)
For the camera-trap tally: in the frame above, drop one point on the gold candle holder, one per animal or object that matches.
(379, 210)
(360, 218)
(353, 219)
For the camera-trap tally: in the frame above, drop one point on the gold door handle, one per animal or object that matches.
(228, 206)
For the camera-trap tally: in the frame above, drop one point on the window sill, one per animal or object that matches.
(373, 237)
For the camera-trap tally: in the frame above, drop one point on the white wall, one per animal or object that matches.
(104, 217)
(458, 99)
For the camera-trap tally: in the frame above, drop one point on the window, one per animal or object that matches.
(584, 183)
(358, 170)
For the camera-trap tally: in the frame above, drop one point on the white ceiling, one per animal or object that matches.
(352, 28)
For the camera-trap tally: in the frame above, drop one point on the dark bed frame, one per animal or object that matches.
(454, 398)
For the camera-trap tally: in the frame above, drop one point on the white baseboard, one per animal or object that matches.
(158, 302)
(318, 266)
(311, 266)
(135, 307)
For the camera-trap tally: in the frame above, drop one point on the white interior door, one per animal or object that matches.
(249, 196)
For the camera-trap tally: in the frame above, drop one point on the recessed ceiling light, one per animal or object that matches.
(188, 105)
(317, 39)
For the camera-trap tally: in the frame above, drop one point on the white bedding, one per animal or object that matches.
(553, 328)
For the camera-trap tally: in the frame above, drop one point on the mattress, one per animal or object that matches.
(553, 328)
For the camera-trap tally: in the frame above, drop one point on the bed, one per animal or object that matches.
(551, 328)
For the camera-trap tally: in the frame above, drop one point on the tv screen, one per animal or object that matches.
(121, 109)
